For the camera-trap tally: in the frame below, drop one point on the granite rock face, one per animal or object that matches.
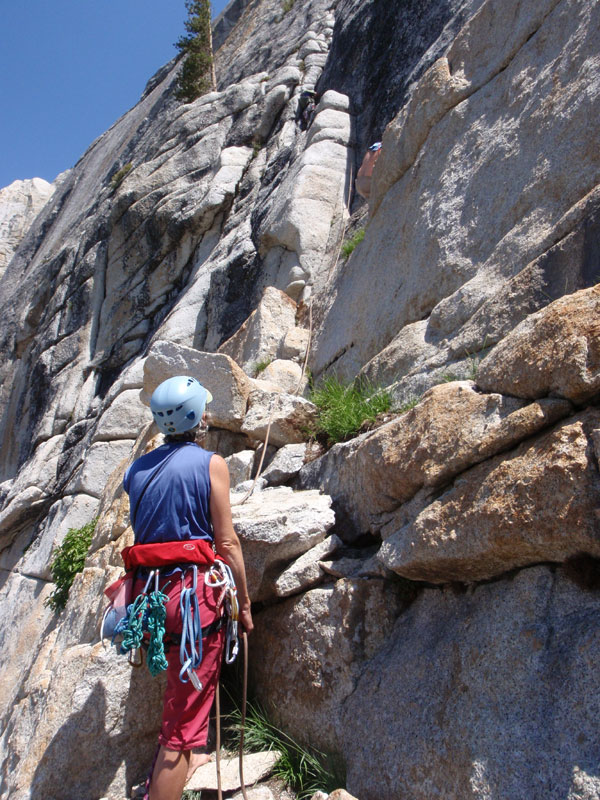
(450, 429)
(276, 526)
(20, 203)
(556, 351)
(463, 697)
(323, 637)
(259, 338)
(206, 237)
(537, 503)
(438, 244)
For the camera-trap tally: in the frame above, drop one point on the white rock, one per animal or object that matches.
(288, 75)
(20, 203)
(294, 344)
(276, 526)
(304, 215)
(123, 419)
(238, 492)
(24, 620)
(221, 376)
(240, 466)
(331, 124)
(287, 462)
(335, 100)
(100, 460)
(69, 512)
(290, 417)
(257, 766)
(286, 375)
(261, 335)
(305, 572)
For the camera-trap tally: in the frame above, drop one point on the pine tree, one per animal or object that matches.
(197, 74)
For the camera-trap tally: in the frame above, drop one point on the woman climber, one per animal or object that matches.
(179, 493)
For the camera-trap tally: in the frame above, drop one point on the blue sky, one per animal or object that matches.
(70, 68)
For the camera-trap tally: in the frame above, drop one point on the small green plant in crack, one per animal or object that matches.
(256, 147)
(119, 176)
(349, 246)
(450, 377)
(343, 408)
(261, 366)
(68, 560)
(287, 5)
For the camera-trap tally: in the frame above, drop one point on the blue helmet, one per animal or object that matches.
(178, 403)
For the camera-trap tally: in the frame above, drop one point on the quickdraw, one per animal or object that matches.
(190, 647)
(220, 575)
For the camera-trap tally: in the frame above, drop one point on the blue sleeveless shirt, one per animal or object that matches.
(175, 506)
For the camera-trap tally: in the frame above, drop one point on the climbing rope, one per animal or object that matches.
(147, 613)
(243, 723)
(260, 463)
(157, 614)
(133, 629)
(305, 362)
(242, 726)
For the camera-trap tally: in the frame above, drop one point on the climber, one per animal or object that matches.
(365, 172)
(179, 496)
(306, 108)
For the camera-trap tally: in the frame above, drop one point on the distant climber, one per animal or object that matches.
(365, 173)
(179, 501)
(306, 108)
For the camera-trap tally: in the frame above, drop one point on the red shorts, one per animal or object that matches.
(185, 710)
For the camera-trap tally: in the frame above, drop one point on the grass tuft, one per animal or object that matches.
(305, 770)
(344, 408)
(261, 366)
(68, 560)
(349, 246)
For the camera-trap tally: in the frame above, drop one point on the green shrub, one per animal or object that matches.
(119, 176)
(68, 560)
(304, 770)
(343, 408)
(348, 247)
(287, 5)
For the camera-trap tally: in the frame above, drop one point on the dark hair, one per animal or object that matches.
(186, 436)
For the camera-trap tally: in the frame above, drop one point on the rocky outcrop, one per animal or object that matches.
(20, 203)
(537, 503)
(260, 337)
(453, 427)
(276, 526)
(323, 637)
(556, 351)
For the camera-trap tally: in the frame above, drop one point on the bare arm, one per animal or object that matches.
(226, 539)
